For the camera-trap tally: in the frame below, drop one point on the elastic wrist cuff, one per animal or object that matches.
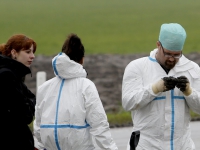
(188, 92)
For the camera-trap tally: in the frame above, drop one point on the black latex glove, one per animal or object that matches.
(182, 83)
(170, 82)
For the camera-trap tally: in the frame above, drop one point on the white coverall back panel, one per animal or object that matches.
(69, 111)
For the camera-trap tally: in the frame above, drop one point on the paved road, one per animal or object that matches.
(121, 135)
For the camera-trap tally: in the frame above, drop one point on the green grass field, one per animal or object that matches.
(123, 118)
(115, 26)
(106, 26)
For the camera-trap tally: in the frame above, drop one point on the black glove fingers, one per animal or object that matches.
(181, 86)
(182, 77)
(178, 86)
(165, 79)
(179, 82)
(170, 87)
(183, 81)
(170, 82)
(182, 89)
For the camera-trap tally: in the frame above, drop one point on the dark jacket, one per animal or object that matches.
(17, 106)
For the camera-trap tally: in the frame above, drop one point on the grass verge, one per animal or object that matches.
(123, 118)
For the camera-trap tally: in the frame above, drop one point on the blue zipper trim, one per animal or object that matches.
(172, 121)
(159, 98)
(54, 63)
(65, 126)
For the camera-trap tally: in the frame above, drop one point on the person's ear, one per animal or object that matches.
(81, 61)
(158, 44)
(13, 54)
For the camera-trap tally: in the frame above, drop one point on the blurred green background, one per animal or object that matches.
(106, 26)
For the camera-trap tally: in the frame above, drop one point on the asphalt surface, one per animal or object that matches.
(122, 135)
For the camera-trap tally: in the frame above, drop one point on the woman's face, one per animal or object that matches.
(25, 56)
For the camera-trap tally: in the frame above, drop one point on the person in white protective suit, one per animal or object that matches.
(160, 90)
(69, 113)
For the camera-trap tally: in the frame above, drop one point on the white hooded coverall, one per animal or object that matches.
(69, 111)
(163, 119)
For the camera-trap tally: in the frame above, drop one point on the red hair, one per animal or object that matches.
(18, 42)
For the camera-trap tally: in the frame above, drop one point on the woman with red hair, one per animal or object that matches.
(17, 101)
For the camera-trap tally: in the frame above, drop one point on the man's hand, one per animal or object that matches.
(170, 82)
(184, 85)
(164, 84)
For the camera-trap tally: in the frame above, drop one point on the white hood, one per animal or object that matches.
(66, 68)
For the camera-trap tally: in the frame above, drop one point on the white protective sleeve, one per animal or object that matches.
(134, 94)
(193, 100)
(97, 119)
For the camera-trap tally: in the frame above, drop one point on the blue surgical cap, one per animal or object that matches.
(172, 36)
